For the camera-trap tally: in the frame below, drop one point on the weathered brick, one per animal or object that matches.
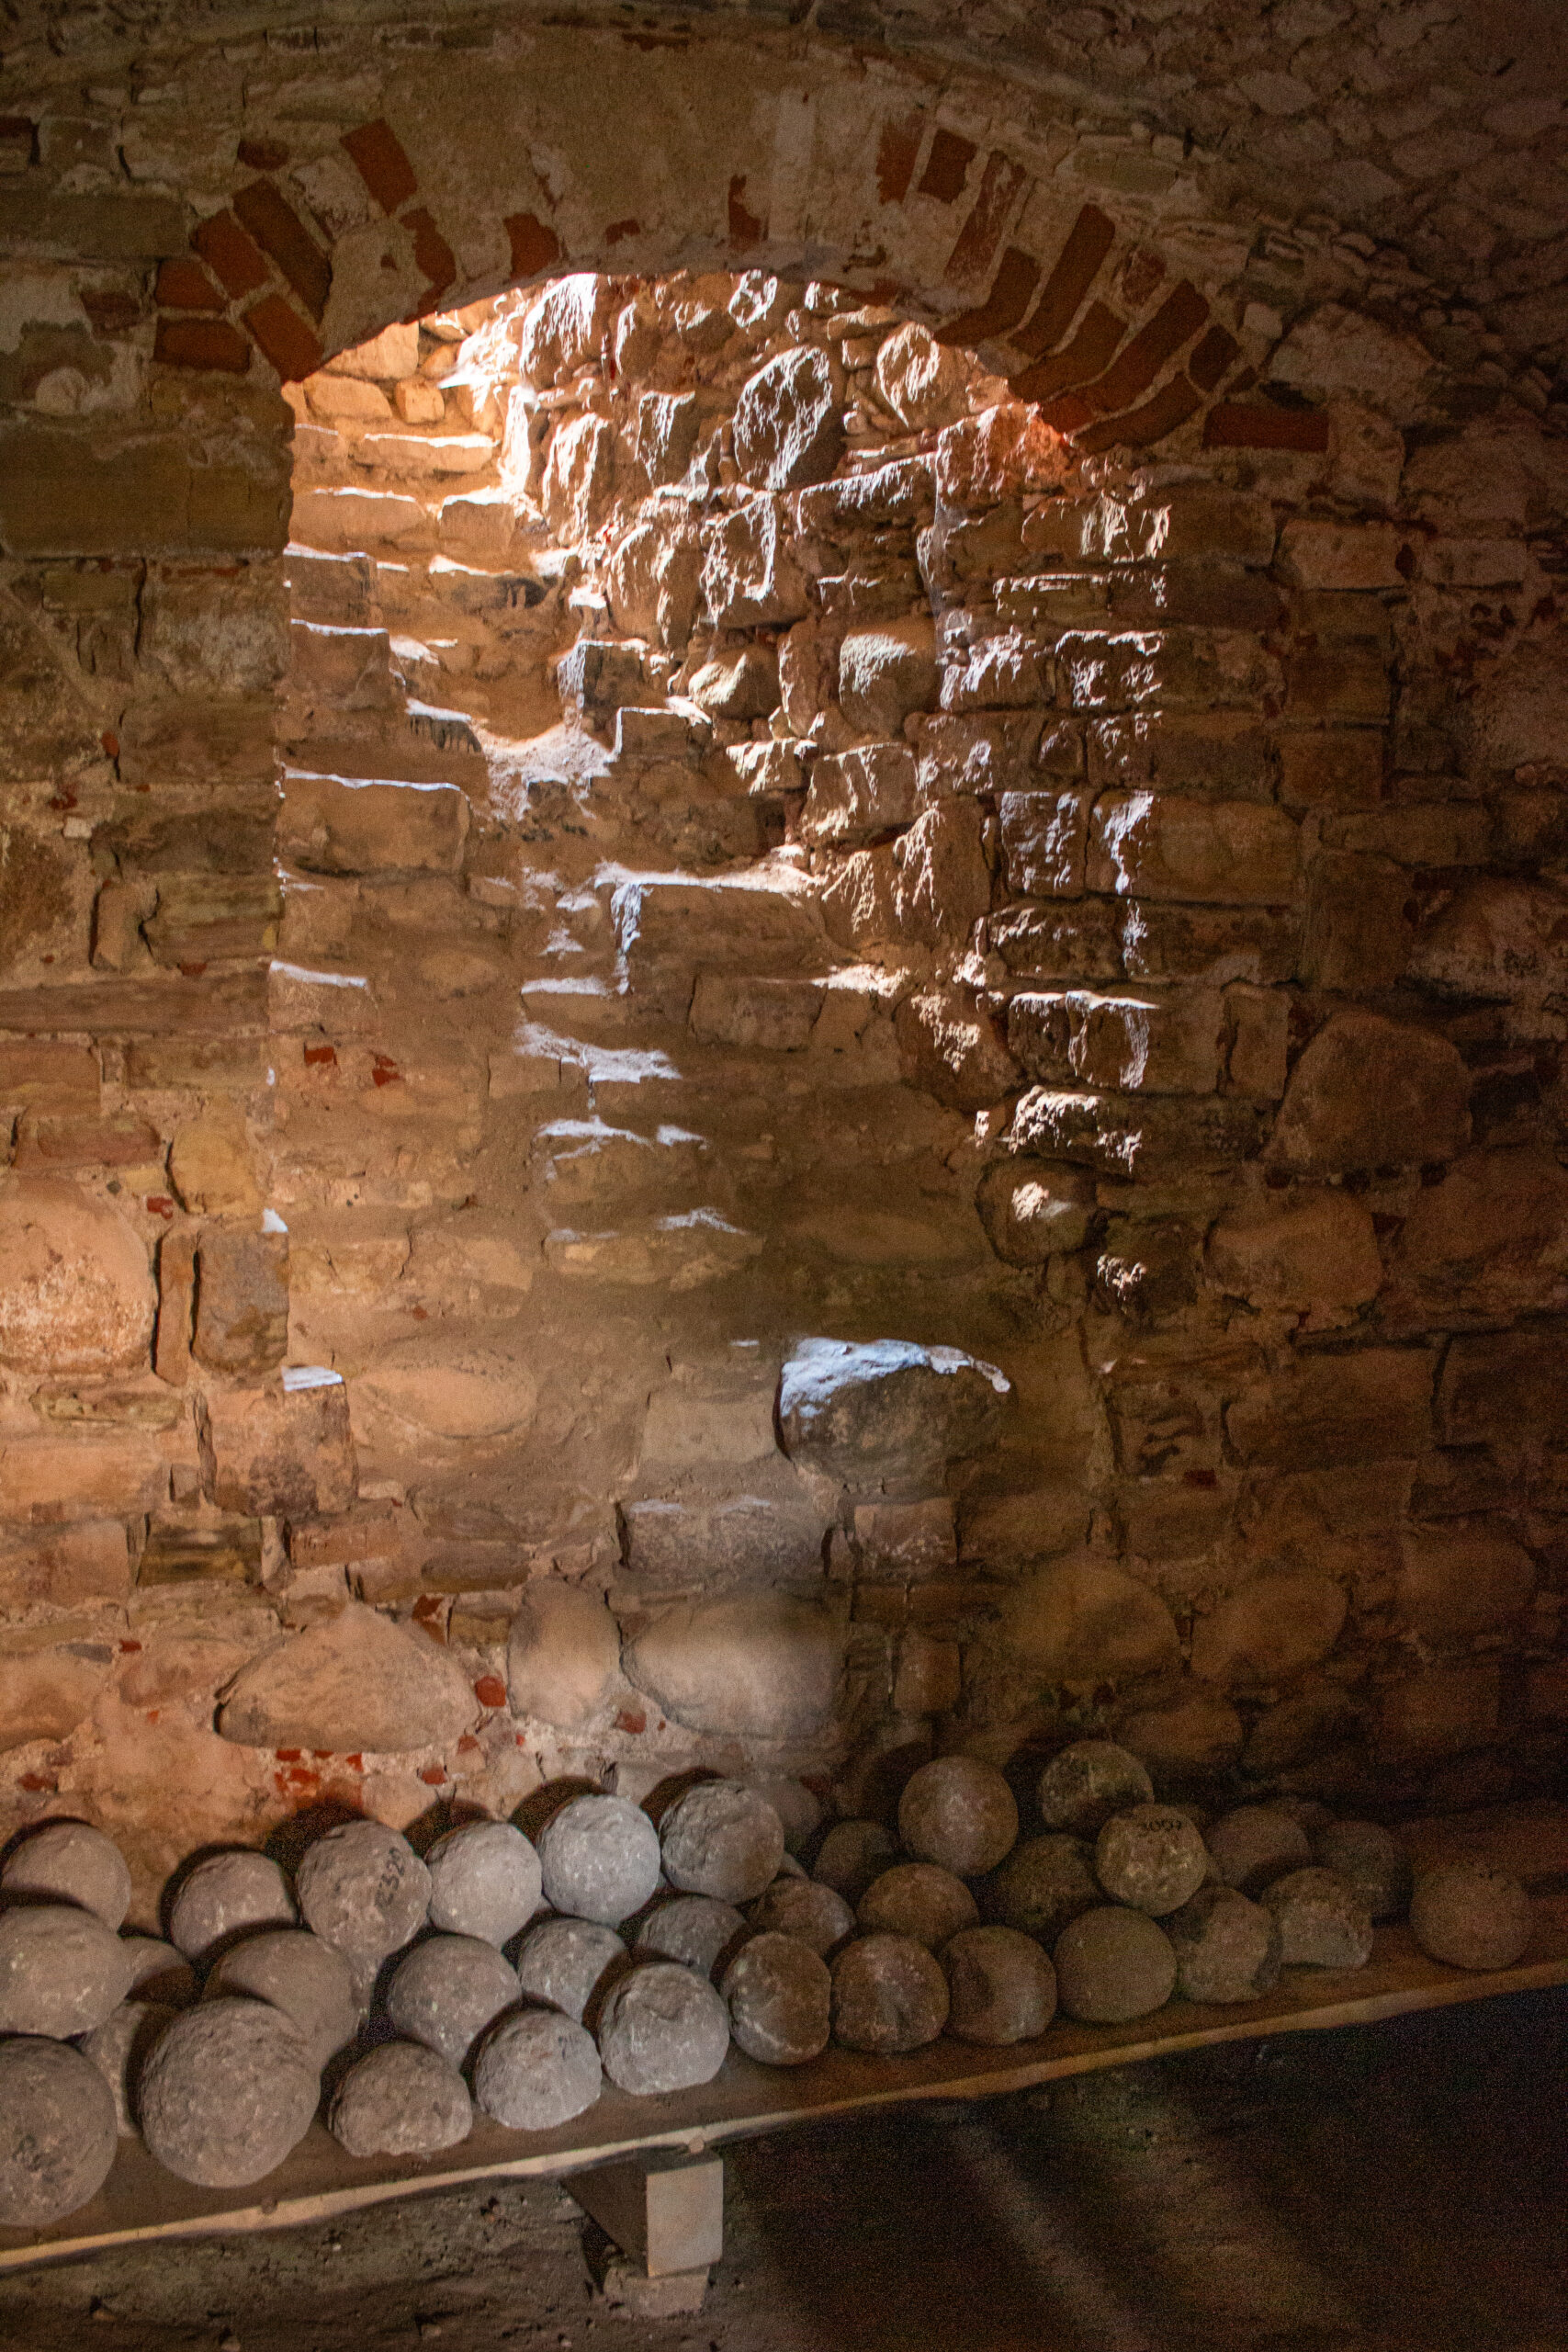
(1156, 845)
(38, 1076)
(202, 342)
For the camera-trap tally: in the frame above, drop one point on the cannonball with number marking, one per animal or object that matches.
(1471, 1916)
(1001, 1987)
(1228, 1947)
(805, 1909)
(1151, 1858)
(599, 1860)
(1113, 1966)
(229, 2088)
(1084, 1785)
(226, 1897)
(57, 2131)
(1323, 1922)
(400, 2099)
(778, 1993)
(446, 1991)
(918, 1899)
(69, 1862)
(662, 2027)
(724, 1839)
(569, 1964)
(889, 1995)
(365, 1891)
(1372, 1863)
(485, 1880)
(960, 1813)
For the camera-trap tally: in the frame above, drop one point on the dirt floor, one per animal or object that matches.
(1400, 2187)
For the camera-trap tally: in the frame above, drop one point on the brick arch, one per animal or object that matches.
(1115, 312)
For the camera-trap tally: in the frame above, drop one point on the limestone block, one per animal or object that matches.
(1341, 768)
(359, 1682)
(1142, 1040)
(788, 428)
(564, 330)
(1504, 1389)
(902, 492)
(925, 383)
(381, 358)
(748, 1538)
(1177, 669)
(993, 751)
(765, 1668)
(422, 402)
(451, 1391)
(901, 1541)
(1008, 672)
(743, 683)
(1154, 845)
(1139, 1136)
(596, 679)
(949, 1049)
(282, 1451)
(332, 824)
(1369, 1092)
(241, 1300)
(884, 673)
(859, 793)
(1166, 942)
(75, 1288)
(1280, 1623)
(1314, 1256)
(1194, 520)
(763, 1016)
(563, 1656)
(1323, 1411)
(886, 1413)
(1491, 1240)
(1044, 842)
(212, 1166)
(1000, 453)
(1031, 1212)
(44, 1694)
(941, 883)
(344, 520)
(749, 573)
(580, 474)
(1462, 1579)
(667, 427)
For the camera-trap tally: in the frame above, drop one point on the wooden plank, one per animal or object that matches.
(318, 2182)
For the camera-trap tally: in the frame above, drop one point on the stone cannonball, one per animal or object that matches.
(918, 1899)
(119, 2049)
(599, 1858)
(1323, 1922)
(69, 1862)
(722, 1838)
(662, 2028)
(1043, 1882)
(1370, 1861)
(306, 1979)
(1084, 1785)
(1151, 1858)
(226, 1897)
(1113, 1966)
(363, 1890)
(1001, 1987)
(227, 2091)
(851, 1855)
(485, 1880)
(798, 1809)
(400, 2099)
(1228, 1947)
(960, 1813)
(568, 1965)
(536, 2069)
(57, 2131)
(61, 1970)
(889, 1995)
(446, 1991)
(692, 1928)
(804, 1908)
(1471, 1916)
(159, 1972)
(779, 1995)
(1255, 1843)
(1308, 1812)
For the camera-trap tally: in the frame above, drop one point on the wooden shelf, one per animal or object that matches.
(140, 2200)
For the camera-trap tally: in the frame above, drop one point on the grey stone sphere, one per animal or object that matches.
(960, 1813)
(889, 1995)
(61, 1970)
(779, 1996)
(1087, 1782)
(57, 2131)
(1113, 1966)
(1323, 1923)
(536, 2069)
(363, 1890)
(227, 2091)
(1151, 1858)
(692, 1928)
(1371, 1862)
(446, 1991)
(600, 1860)
(662, 2028)
(400, 2099)
(569, 1964)
(119, 2049)
(919, 1900)
(1001, 1987)
(226, 1897)
(722, 1838)
(159, 1972)
(1228, 1947)
(851, 1855)
(1043, 1882)
(485, 1881)
(804, 1908)
(69, 1862)
(306, 1979)
(798, 1809)
(1471, 1916)
(1255, 1843)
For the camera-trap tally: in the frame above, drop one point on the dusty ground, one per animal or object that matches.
(1398, 2189)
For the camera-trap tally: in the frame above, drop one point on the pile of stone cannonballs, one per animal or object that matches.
(513, 1975)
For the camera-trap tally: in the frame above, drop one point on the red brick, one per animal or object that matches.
(1088, 356)
(280, 232)
(1180, 316)
(947, 167)
(1232, 426)
(745, 228)
(377, 153)
(202, 342)
(534, 246)
(284, 338)
(433, 257)
(185, 285)
(978, 240)
(227, 248)
(1211, 360)
(1171, 406)
(898, 151)
(1089, 240)
(111, 311)
(1015, 280)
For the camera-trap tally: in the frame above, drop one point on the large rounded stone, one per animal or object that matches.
(1255, 1843)
(57, 2132)
(69, 1862)
(563, 1658)
(814, 1913)
(359, 1682)
(119, 2049)
(364, 1889)
(1001, 1987)
(918, 1900)
(536, 2069)
(763, 1666)
(158, 1973)
(1042, 1884)
(1369, 1092)
(1322, 1922)
(877, 1414)
(886, 672)
(76, 1293)
(662, 2028)
(1471, 1916)
(1271, 1629)
(228, 2091)
(1228, 1947)
(569, 1964)
(889, 1995)
(227, 1896)
(1151, 1857)
(1084, 1623)
(60, 1970)
(959, 1813)
(400, 2099)
(788, 429)
(599, 1858)
(304, 1978)
(778, 1993)
(692, 1928)
(924, 382)
(448, 1990)
(1372, 1862)
(851, 1855)
(485, 1880)
(1113, 1966)
(722, 1838)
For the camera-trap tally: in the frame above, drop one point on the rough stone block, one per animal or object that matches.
(950, 1049)
(886, 1414)
(1490, 1240)
(356, 1684)
(857, 795)
(75, 1288)
(1341, 555)
(1442, 1713)
(1178, 669)
(1463, 1579)
(1371, 1093)
(767, 1016)
(747, 1539)
(1328, 1410)
(1283, 1621)
(993, 751)
(1060, 943)
(1157, 846)
(1315, 1258)
(341, 521)
(74, 487)
(1504, 1389)
(899, 1542)
(45, 1693)
(332, 824)
(282, 1451)
(1194, 521)
(1044, 840)
(1134, 1134)
(1331, 768)
(749, 575)
(1261, 944)
(82, 1476)
(1134, 1044)
(563, 1656)
(241, 1301)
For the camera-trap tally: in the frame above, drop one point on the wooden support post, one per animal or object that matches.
(665, 2212)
